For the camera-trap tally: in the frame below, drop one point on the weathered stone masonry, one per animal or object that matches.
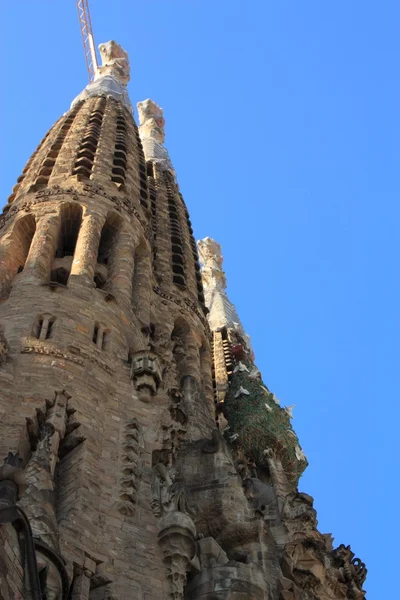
(144, 457)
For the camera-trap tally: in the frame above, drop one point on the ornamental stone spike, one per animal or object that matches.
(115, 62)
(151, 131)
(151, 121)
(222, 311)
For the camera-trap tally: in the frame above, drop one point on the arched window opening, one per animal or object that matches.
(87, 150)
(100, 336)
(142, 171)
(177, 253)
(149, 169)
(24, 173)
(70, 223)
(47, 166)
(228, 355)
(43, 327)
(177, 260)
(23, 234)
(15, 249)
(118, 173)
(59, 275)
(178, 269)
(178, 280)
(108, 241)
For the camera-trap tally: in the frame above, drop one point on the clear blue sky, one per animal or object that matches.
(282, 120)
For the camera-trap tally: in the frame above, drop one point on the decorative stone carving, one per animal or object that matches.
(260, 495)
(304, 557)
(211, 553)
(146, 374)
(151, 130)
(177, 541)
(352, 570)
(168, 493)
(177, 531)
(186, 304)
(40, 348)
(132, 449)
(288, 590)
(298, 512)
(151, 120)
(222, 311)
(115, 62)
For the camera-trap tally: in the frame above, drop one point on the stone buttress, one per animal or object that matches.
(144, 458)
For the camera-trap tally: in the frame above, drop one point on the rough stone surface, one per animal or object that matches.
(115, 388)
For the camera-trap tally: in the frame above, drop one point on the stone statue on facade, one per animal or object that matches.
(177, 530)
(168, 493)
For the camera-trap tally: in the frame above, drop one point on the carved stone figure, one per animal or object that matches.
(298, 512)
(168, 494)
(261, 495)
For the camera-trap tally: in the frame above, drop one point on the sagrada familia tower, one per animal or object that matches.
(144, 457)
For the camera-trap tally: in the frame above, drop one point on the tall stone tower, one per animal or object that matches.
(144, 458)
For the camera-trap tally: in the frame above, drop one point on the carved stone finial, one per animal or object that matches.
(151, 121)
(210, 254)
(151, 130)
(222, 313)
(115, 62)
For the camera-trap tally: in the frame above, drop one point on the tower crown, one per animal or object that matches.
(111, 77)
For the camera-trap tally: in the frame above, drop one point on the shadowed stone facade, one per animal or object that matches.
(144, 457)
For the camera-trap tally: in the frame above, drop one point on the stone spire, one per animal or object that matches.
(222, 311)
(151, 129)
(111, 77)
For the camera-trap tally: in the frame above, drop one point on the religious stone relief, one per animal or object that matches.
(168, 491)
(177, 530)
